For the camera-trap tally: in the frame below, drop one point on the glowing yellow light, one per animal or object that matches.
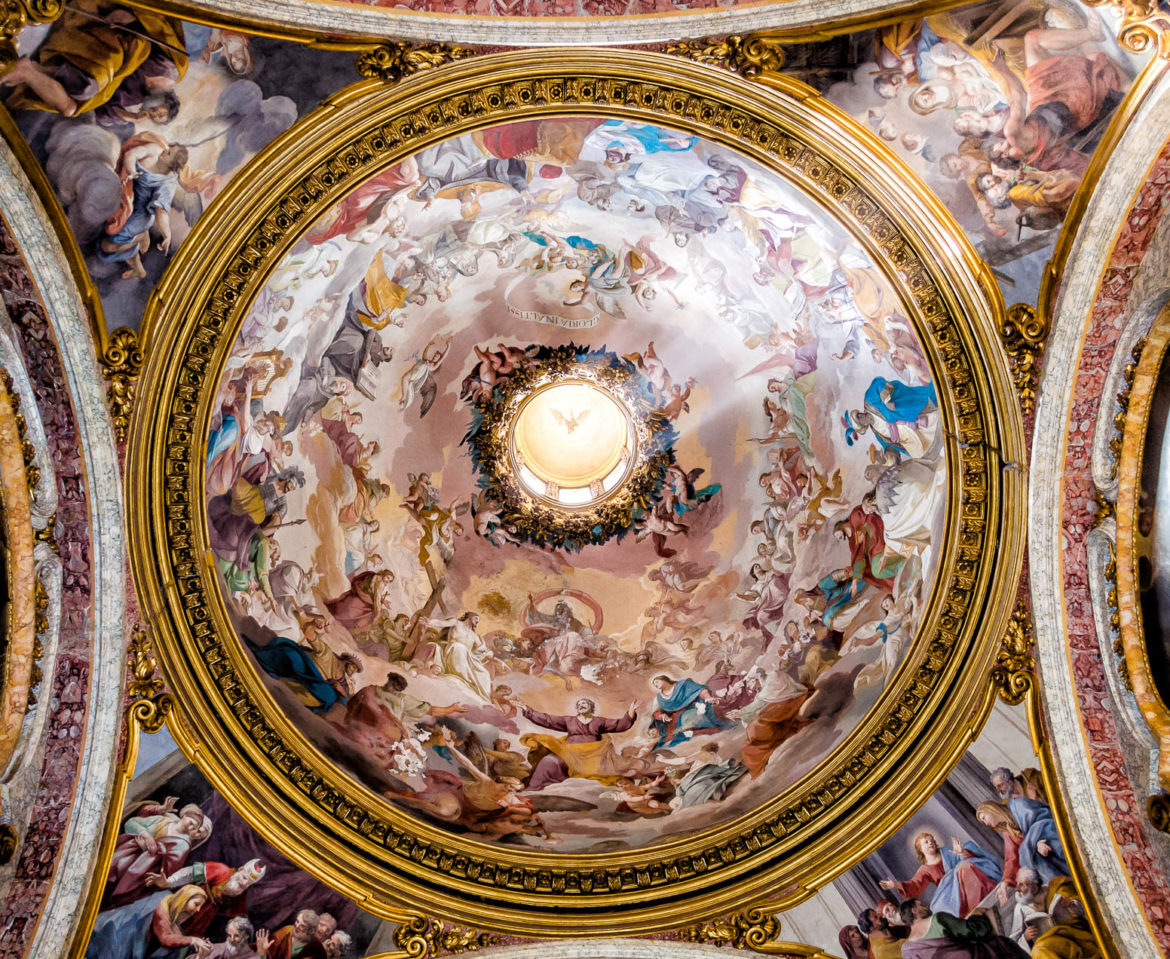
(571, 442)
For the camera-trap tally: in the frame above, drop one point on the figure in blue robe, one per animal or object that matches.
(684, 710)
(904, 404)
(839, 594)
(948, 897)
(125, 932)
(152, 192)
(653, 139)
(284, 659)
(219, 441)
(1037, 824)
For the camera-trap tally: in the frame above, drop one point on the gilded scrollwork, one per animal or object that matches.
(743, 930)
(15, 15)
(1014, 669)
(121, 364)
(170, 499)
(756, 929)
(423, 936)
(1144, 27)
(391, 62)
(1023, 334)
(150, 702)
(749, 56)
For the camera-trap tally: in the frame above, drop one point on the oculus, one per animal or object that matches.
(571, 446)
(571, 471)
(762, 623)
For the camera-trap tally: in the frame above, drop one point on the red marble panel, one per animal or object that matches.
(66, 691)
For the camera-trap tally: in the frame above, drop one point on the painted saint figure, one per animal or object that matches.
(584, 752)
(1030, 837)
(962, 875)
(150, 928)
(149, 169)
(154, 839)
(683, 708)
(225, 889)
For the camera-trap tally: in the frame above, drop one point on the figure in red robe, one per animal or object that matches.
(365, 600)
(363, 205)
(154, 839)
(225, 888)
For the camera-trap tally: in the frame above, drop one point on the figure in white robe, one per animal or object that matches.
(464, 655)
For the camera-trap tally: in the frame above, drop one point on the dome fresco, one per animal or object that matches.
(546, 479)
(573, 483)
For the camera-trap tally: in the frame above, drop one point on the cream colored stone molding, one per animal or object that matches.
(66, 314)
(337, 19)
(1103, 219)
(613, 949)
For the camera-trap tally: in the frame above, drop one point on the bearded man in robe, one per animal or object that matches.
(226, 890)
(584, 752)
(95, 49)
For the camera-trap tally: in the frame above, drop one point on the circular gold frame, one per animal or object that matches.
(382, 856)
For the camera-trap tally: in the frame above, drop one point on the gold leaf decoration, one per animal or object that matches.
(121, 364)
(151, 703)
(748, 56)
(1144, 27)
(756, 929)
(1014, 665)
(1023, 334)
(1119, 417)
(1105, 508)
(1115, 617)
(15, 15)
(423, 936)
(391, 62)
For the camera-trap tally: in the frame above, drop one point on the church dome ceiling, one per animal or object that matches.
(581, 495)
(424, 393)
(579, 462)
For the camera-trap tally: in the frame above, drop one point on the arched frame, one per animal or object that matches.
(798, 840)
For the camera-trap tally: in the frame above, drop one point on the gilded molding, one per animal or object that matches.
(749, 56)
(1145, 25)
(1123, 397)
(391, 62)
(1135, 403)
(15, 15)
(150, 704)
(121, 363)
(1014, 671)
(194, 317)
(422, 936)
(756, 929)
(1023, 333)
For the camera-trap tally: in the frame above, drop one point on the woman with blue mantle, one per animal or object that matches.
(682, 709)
(898, 402)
